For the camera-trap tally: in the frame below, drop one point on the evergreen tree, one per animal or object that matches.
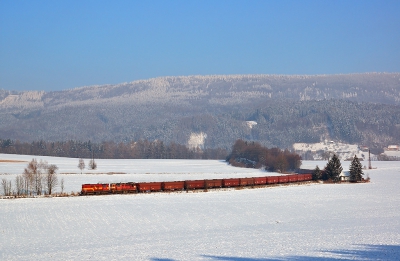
(356, 171)
(317, 173)
(333, 168)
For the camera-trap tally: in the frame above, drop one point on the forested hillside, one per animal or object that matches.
(276, 110)
(281, 124)
(141, 149)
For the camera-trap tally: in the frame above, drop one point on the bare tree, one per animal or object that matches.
(36, 178)
(92, 164)
(29, 174)
(10, 191)
(19, 185)
(51, 179)
(62, 185)
(39, 177)
(7, 187)
(4, 184)
(26, 185)
(81, 164)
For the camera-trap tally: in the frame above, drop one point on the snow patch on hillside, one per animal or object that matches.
(251, 124)
(196, 140)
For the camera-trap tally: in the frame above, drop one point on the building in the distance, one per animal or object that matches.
(393, 148)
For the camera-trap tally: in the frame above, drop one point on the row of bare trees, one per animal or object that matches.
(38, 178)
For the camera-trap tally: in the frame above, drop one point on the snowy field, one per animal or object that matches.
(306, 222)
(126, 170)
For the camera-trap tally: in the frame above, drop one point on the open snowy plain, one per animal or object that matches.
(297, 222)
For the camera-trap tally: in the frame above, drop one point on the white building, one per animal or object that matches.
(344, 176)
(393, 148)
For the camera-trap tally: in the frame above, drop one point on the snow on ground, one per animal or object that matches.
(306, 222)
(392, 153)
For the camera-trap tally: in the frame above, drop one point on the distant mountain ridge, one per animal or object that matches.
(174, 108)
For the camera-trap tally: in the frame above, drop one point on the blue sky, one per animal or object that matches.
(55, 45)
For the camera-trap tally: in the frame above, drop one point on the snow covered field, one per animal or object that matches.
(126, 170)
(307, 222)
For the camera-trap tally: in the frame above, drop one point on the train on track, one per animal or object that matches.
(143, 187)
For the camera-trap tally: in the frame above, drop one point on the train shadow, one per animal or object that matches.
(366, 252)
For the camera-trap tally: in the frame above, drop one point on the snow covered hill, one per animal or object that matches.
(308, 222)
(287, 109)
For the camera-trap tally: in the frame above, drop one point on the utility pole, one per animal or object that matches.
(369, 159)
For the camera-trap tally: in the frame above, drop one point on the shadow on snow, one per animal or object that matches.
(367, 252)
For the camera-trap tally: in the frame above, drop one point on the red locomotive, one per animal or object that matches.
(141, 187)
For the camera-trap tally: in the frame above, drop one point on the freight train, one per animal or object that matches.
(142, 187)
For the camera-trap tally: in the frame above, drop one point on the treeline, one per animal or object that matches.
(141, 149)
(38, 178)
(253, 155)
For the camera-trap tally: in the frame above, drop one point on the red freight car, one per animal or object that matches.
(272, 179)
(173, 185)
(131, 187)
(283, 179)
(292, 178)
(307, 177)
(213, 183)
(123, 187)
(260, 180)
(226, 183)
(148, 186)
(300, 177)
(194, 184)
(246, 182)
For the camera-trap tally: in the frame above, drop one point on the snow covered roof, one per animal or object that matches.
(393, 147)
